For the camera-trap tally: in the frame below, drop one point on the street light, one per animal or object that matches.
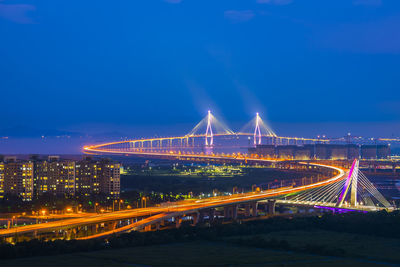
(113, 207)
(43, 213)
(119, 204)
(144, 200)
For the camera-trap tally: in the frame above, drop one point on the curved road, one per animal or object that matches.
(179, 208)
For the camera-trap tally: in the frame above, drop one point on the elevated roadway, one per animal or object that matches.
(177, 209)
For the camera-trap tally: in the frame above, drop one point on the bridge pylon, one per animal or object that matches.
(209, 131)
(257, 131)
(352, 190)
(350, 184)
(209, 127)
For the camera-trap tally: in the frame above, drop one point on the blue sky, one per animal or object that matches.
(74, 64)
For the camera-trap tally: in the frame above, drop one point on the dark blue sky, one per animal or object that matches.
(71, 64)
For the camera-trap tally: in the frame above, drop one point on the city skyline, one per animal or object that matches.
(199, 133)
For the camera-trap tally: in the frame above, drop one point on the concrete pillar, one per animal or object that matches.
(68, 234)
(211, 214)
(254, 209)
(178, 221)
(271, 206)
(247, 210)
(201, 216)
(234, 211)
(147, 228)
(195, 217)
(226, 212)
(157, 226)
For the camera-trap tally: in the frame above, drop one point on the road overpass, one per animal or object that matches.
(64, 228)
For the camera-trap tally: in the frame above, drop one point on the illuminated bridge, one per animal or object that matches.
(344, 190)
(341, 189)
(209, 139)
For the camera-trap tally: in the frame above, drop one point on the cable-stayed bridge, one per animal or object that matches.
(202, 139)
(355, 192)
(340, 190)
(345, 190)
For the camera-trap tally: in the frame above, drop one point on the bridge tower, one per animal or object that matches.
(353, 192)
(209, 131)
(350, 184)
(257, 131)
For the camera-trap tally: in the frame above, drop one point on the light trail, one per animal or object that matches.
(181, 207)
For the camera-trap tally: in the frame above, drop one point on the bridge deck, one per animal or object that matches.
(179, 207)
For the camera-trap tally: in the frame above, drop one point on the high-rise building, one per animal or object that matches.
(87, 177)
(97, 177)
(110, 179)
(18, 179)
(35, 178)
(1, 180)
(55, 177)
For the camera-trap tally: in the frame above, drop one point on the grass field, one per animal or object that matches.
(369, 248)
(377, 248)
(202, 253)
(196, 184)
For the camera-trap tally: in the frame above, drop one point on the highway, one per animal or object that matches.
(181, 207)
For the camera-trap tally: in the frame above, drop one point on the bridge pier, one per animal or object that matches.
(226, 212)
(247, 210)
(178, 221)
(254, 208)
(211, 215)
(271, 206)
(201, 216)
(195, 217)
(69, 233)
(202, 213)
(234, 211)
(93, 229)
(231, 212)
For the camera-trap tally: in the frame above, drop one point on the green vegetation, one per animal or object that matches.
(328, 242)
(198, 253)
(204, 179)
